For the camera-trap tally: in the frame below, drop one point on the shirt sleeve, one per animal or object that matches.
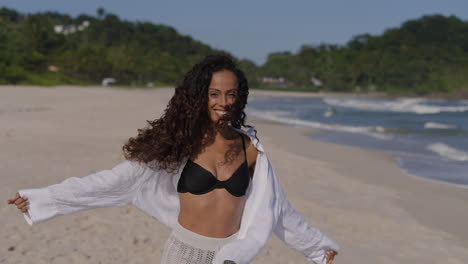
(296, 233)
(114, 187)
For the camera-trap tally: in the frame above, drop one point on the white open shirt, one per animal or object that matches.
(154, 191)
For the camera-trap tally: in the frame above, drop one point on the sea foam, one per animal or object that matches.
(435, 125)
(448, 152)
(402, 105)
(282, 117)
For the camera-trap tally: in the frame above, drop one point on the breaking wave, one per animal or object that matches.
(435, 125)
(448, 152)
(282, 117)
(402, 105)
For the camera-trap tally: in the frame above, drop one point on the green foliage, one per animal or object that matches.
(13, 74)
(134, 53)
(423, 56)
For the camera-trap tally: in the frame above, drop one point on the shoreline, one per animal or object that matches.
(359, 198)
(323, 128)
(462, 95)
(272, 93)
(397, 180)
(463, 186)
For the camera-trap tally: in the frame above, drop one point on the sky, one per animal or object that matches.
(251, 29)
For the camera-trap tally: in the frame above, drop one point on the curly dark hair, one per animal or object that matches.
(186, 128)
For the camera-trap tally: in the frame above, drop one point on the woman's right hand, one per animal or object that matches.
(20, 202)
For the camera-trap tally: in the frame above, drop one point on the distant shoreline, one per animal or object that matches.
(272, 93)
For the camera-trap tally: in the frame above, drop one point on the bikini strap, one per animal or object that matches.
(243, 145)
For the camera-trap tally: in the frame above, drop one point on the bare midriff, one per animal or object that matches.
(215, 214)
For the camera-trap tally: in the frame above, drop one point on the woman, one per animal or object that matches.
(195, 170)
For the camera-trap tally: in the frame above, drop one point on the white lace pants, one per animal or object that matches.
(186, 247)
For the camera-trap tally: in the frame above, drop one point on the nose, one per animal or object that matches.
(222, 100)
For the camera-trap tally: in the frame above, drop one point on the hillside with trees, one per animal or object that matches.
(424, 56)
(428, 55)
(52, 48)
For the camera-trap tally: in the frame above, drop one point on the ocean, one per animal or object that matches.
(428, 137)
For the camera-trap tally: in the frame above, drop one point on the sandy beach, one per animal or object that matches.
(359, 198)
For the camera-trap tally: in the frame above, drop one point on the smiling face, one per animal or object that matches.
(222, 92)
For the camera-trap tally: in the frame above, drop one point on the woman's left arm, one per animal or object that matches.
(295, 232)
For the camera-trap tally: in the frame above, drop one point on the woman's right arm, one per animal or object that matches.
(114, 187)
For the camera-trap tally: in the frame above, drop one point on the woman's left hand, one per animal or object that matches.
(330, 255)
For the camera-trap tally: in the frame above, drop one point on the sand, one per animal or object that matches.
(359, 198)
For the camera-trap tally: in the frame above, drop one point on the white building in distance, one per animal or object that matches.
(71, 29)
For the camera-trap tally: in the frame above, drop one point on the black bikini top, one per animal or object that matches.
(197, 180)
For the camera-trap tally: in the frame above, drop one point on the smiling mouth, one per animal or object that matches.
(220, 112)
